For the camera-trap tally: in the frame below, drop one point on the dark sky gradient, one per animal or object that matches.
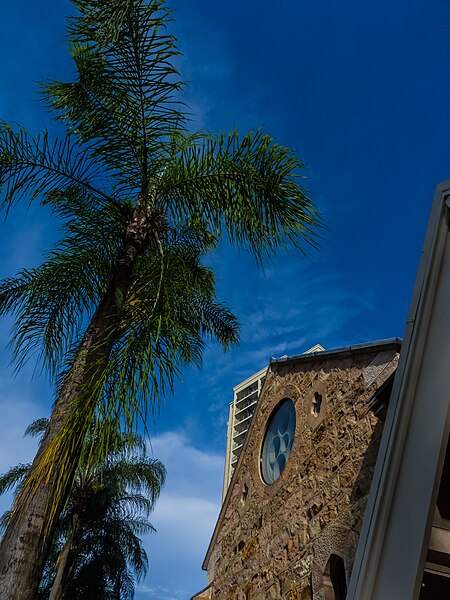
(361, 91)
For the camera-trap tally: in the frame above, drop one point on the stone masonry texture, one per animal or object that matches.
(274, 541)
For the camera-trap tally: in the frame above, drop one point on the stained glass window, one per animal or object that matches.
(278, 441)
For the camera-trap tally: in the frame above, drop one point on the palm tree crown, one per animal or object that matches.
(96, 548)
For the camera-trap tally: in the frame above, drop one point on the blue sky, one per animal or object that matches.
(361, 92)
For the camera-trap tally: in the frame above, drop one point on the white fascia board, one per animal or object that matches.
(397, 523)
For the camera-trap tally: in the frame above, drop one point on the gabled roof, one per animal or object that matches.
(343, 352)
(205, 593)
(384, 344)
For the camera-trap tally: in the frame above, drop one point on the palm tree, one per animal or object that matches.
(123, 301)
(96, 551)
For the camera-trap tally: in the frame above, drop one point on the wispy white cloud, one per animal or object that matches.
(319, 310)
(277, 350)
(184, 518)
(160, 592)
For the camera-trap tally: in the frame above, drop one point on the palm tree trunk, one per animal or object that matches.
(65, 562)
(25, 545)
(57, 588)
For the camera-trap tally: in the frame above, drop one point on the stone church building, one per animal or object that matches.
(290, 520)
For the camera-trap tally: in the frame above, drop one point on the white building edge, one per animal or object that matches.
(404, 537)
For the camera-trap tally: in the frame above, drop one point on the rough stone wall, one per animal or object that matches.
(274, 541)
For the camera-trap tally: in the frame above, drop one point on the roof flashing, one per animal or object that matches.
(344, 350)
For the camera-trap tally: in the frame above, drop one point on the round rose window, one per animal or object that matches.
(278, 441)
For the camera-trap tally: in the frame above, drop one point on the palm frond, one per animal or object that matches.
(137, 474)
(4, 520)
(51, 302)
(36, 428)
(158, 339)
(14, 477)
(33, 166)
(249, 188)
(125, 101)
